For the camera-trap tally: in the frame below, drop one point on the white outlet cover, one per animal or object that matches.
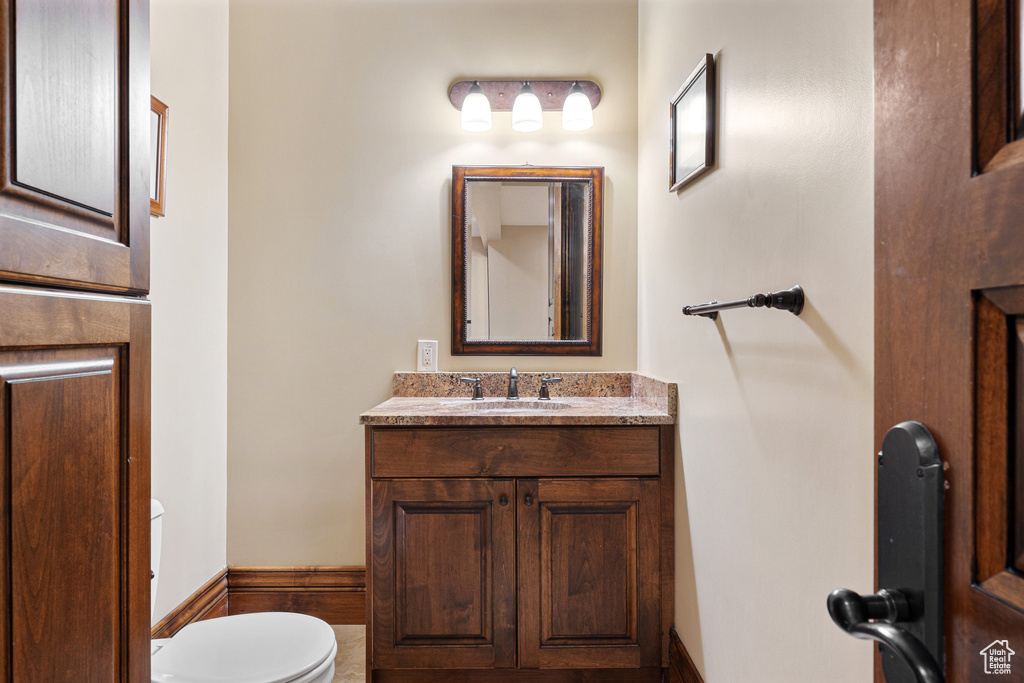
(426, 355)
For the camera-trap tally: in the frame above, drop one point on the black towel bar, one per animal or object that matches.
(791, 300)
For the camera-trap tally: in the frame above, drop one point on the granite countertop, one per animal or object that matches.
(593, 398)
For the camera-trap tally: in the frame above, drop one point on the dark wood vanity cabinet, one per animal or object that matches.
(541, 566)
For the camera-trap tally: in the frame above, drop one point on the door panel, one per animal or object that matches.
(66, 518)
(74, 487)
(443, 574)
(74, 158)
(588, 573)
(948, 260)
(999, 521)
(451, 604)
(589, 548)
(65, 100)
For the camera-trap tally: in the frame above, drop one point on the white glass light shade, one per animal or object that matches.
(476, 110)
(526, 111)
(577, 113)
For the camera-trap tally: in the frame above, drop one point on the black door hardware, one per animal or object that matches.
(906, 616)
(854, 614)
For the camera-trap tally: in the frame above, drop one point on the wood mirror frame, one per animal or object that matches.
(590, 344)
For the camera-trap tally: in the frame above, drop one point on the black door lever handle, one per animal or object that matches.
(907, 615)
(853, 612)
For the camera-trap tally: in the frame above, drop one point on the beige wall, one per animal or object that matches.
(517, 282)
(189, 294)
(775, 492)
(479, 291)
(484, 201)
(524, 204)
(341, 146)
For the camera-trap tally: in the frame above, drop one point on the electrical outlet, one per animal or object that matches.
(426, 355)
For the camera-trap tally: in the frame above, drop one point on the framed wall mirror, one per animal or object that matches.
(526, 260)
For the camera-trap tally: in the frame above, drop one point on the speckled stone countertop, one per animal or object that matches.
(581, 398)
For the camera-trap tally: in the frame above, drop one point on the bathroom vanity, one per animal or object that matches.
(520, 540)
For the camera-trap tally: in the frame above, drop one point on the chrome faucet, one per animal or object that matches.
(513, 386)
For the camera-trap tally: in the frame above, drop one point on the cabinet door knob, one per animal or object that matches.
(503, 500)
(528, 500)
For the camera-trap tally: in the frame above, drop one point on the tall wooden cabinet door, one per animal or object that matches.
(443, 574)
(74, 149)
(74, 488)
(589, 585)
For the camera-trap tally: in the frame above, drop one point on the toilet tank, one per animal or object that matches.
(156, 514)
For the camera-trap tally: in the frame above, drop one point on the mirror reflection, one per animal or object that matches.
(526, 277)
(527, 265)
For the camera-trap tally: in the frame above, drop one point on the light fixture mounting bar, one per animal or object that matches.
(501, 94)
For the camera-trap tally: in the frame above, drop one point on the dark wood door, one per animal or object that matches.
(74, 487)
(74, 154)
(589, 589)
(443, 574)
(949, 259)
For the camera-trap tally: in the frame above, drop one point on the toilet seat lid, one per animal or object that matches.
(265, 647)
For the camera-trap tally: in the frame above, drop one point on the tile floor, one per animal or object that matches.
(350, 664)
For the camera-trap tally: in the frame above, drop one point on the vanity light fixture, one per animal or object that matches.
(527, 116)
(476, 110)
(526, 100)
(577, 114)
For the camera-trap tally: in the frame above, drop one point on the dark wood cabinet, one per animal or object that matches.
(553, 564)
(74, 155)
(444, 580)
(74, 487)
(74, 358)
(588, 573)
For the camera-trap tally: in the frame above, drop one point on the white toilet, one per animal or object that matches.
(267, 647)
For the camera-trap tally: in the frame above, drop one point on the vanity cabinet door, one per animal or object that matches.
(589, 588)
(443, 554)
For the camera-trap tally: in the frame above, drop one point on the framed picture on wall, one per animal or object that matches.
(157, 154)
(691, 150)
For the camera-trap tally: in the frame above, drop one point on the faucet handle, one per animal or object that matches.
(478, 390)
(544, 382)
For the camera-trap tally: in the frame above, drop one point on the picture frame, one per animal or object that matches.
(691, 151)
(157, 155)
